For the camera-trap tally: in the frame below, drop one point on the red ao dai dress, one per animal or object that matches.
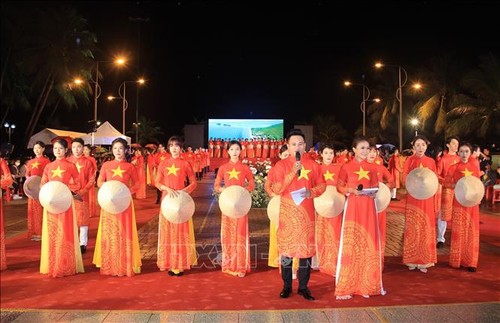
(464, 248)
(35, 167)
(61, 255)
(176, 242)
(419, 243)
(359, 266)
(117, 250)
(234, 232)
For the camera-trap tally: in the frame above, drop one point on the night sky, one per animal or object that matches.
(254, 59)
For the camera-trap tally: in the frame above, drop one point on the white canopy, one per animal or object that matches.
(47, 134)
(104, 135)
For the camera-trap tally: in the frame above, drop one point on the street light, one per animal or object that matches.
(97, 89)
(366, 97)
(414, 123)
(9, 128)
(399, 97)
(136, 125)
(122, 94)
(124, 105)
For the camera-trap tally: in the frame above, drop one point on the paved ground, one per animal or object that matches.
(207, 231)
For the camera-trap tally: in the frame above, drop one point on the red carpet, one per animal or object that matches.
(22, 286)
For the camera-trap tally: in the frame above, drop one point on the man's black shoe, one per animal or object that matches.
(83, 249)
(285, 293)
(306, 293)
(472, 269)
(440, 245)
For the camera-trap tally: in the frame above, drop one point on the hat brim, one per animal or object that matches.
(114, 197)
(422, 183)
(469, 191)
(383, 197)
(235, 201)
(178, 209)
(31, 186)
(329, 204)
(273, 209)
(55, 197)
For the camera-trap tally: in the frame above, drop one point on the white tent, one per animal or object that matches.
(104, 135)
(47, 134)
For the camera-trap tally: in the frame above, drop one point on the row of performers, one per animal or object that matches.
(199, 159)
(250, 148)
(357, 232)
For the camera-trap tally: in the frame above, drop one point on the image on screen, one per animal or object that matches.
(228, 129)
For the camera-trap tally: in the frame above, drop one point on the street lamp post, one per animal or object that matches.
(122, 94)
(414, 122)
(136, 125)
(97, 91)
(366, 97)
(9, 128)
(402, 78)
(399, 96)
(124, 103)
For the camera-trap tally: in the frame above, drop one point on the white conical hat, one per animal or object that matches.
(235, 201)
(469, 191)
(329, 204)
(55, 197)
(383, 197)
(31, 186)
(421, 183)
(178, 209)
(114, 197)
(273, 209)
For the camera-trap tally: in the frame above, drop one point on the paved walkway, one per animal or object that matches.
(207, 231)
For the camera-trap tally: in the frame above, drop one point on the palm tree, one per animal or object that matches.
(57, 54)
(479, 114)
(55, 44)
(13, 85)
(382, 119)
(439, 96)
(149, 132)
(327, 129)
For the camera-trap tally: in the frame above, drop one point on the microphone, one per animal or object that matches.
(297, 158)
(360, 187)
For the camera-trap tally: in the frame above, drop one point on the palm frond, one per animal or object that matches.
(429, 107)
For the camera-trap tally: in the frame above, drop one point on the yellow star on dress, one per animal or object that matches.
(57, 172)
(303, 173)
(328, 175)
(173, 170)
(362, 173)
(467, 172)
(78, 166)
(35, 165)
(162, 158)
(233, 174)
(118, 172)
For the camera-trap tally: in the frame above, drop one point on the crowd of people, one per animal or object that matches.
(259, 147)
(348, 245)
